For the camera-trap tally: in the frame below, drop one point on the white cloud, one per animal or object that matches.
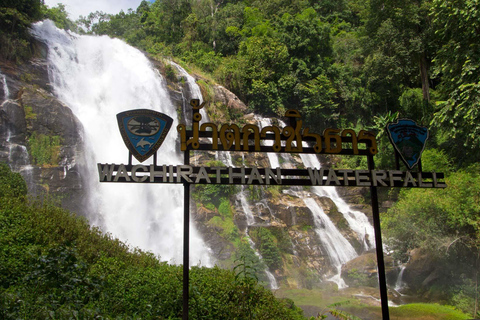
(75, 8)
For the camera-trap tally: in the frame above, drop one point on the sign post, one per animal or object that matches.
(143, 132)
(186, 241)
(382, 278)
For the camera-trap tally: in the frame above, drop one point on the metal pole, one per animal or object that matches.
(186, 241)
(379, 246)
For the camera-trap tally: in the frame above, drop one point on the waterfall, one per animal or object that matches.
(399, 284)
(339, 250)
(270, 276)
(357, 220)
(6, 92)
(272, 157)
(246, 207)
(195, 92)
(18, 157)
(98, 77)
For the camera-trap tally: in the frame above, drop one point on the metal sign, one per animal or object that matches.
(408, 139)
(143, 131)
(268, 176)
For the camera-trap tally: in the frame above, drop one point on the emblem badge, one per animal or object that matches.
(408, 139)
(143, 131)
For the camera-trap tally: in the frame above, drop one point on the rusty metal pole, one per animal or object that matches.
(382, 281)
(186, 241)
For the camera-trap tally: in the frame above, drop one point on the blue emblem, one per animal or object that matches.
(143, 131)
(408, 139)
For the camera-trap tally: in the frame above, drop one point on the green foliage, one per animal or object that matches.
(45, 150)
(245, 252)
(445, 224)
(29, 114)
(422, 218)
(457, 62)
(339, 314)
(59, 15)
(414, 107)
(15, 19)
(428, 310)
(11, 183)
(53, 265)
(170, 72)
(385, 156)
(212, 193)
(228, 229)
(436, 160)
(267, 246)
(14, 38)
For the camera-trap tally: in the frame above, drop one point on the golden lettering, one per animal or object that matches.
(330, 134)
(317, 147)
(364, 136)
(247, 130)
(277, 145)
(229, 136)
(354, 139)
(234, 138)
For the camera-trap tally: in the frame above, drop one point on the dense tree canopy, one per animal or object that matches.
(339, 63)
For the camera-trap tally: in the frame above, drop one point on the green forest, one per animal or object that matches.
(342, 64)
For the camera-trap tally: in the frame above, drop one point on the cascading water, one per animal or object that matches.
(399, 284)
(98, 77)
(196, 93)
(6, 92)
(338, 248)
(242, 197)
(272, 157)
(194, 90)
(357, 220)
(18, 157)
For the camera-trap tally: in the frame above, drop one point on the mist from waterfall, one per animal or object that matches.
(98, 77)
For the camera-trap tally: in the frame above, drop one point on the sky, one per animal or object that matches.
(75, 8)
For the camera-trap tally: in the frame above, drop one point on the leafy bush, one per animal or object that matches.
(54, 265)
(266, 243)
(11, 183)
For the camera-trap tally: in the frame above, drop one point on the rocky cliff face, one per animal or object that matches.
(39, 136)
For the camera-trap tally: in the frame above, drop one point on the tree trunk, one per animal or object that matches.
(424, 78)
(475, 307)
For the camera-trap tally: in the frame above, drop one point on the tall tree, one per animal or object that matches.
(400, 46)
(457, 24)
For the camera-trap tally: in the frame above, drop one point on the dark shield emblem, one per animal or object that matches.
(408, 139)
(143, 131)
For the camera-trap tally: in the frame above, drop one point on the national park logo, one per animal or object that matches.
(408, 139)
(143, 131)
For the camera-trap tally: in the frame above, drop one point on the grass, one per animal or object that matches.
(321, 298)
(426, 311)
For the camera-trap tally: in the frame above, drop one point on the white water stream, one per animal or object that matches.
(339, 250)
(357, 220)
(6, 92)
(98, 77)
